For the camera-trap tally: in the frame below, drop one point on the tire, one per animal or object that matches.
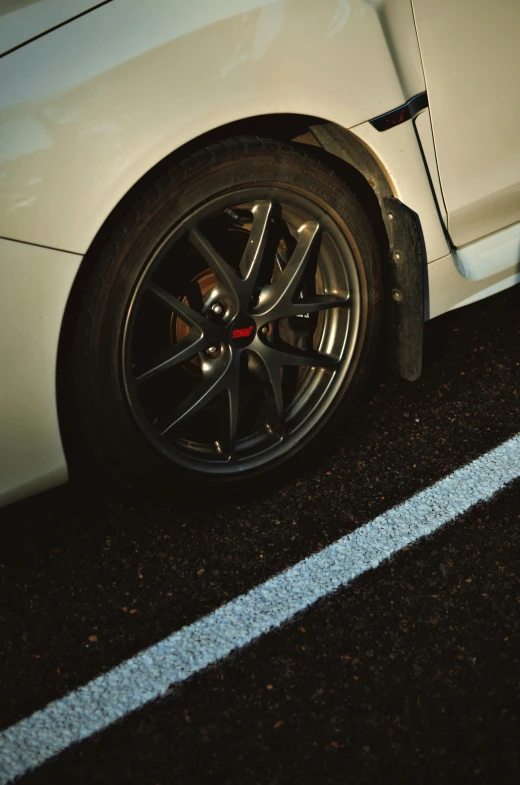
(208, 296)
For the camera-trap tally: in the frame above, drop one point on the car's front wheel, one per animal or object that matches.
(230, 319)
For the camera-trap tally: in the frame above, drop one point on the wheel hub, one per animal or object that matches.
(242, 331)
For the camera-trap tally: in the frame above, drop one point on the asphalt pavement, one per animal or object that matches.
(409, 674)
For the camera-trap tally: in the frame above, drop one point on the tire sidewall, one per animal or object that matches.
(107, 421)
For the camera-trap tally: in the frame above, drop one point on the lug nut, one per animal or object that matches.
(265, 329)
(211, 350)
(216, 308)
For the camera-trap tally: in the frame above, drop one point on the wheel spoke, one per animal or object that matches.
(232, 385)
(320, 302)
(180, 352)
(224, 272)
(184, 312)
(254, 253)
(213, 382)
(271, 377)
(194, 296)
(278, 296)
(285, 354)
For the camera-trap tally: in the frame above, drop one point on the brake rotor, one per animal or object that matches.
(206, 281)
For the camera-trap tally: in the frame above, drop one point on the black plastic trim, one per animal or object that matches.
(407, 278)
(407, 111)
(407, 255)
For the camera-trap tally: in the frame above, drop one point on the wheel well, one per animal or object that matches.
(368, 183)
(339, 149)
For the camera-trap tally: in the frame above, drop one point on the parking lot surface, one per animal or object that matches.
(410, 673)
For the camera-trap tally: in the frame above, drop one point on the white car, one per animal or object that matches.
(214, 214)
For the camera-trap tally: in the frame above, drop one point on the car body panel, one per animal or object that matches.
(474, 271)
(75, 139)
(397, 21)
(22, 20)
(36, 284)
(423, 128)
(471, 62)
(400, 157)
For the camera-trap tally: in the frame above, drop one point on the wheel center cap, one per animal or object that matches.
(242, 332)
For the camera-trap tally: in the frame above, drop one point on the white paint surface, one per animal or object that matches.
(34, 289)
(494, 254)
(147, 676)
(475, 110)
(142, 78)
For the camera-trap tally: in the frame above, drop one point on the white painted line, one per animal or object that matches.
(148, 675)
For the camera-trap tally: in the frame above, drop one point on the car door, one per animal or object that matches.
(471, 58)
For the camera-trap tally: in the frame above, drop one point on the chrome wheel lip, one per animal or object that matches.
(264, 312)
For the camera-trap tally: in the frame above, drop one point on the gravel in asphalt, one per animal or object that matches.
(411, 673)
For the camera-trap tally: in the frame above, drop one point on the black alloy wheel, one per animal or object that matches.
(230, 319)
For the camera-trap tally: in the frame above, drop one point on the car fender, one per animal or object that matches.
(88, 109)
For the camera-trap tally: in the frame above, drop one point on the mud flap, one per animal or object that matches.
(407, 273)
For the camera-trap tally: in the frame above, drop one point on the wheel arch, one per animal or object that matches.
(337, 146)
(359, 168)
